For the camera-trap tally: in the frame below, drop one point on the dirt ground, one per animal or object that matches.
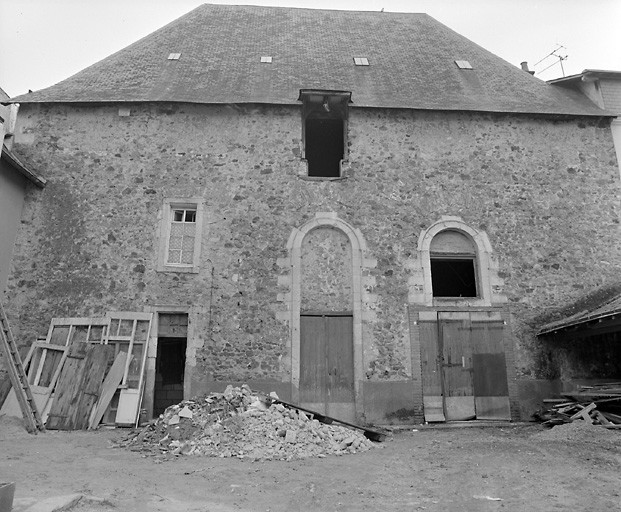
(514, 468)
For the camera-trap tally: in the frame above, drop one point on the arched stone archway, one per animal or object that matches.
(292, 280)
(462, 346)
(490, 285)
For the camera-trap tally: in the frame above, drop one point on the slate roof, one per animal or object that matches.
(603, 311)
(412, 64)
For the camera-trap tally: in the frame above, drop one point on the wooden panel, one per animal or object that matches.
(108, 389)
(327, 365)
(457, 357)
(487, 337)
(490, 375)
(492, 407)
(313, 363)
(68, 384)
(433, 408)
(340, 355)
(430, 367)
(96, 362)
(490, 370)
(456, 351)
(78, 386)
(459, 408)
(172, 325)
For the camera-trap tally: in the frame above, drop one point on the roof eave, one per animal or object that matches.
(578, 322)
(22, 168)
(596, 112)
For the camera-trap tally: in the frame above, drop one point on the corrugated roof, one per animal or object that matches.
(610, 308)
(411, 56)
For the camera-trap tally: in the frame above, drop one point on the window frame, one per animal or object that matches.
(167, 219)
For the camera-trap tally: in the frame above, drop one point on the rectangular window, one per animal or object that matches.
(180, 235)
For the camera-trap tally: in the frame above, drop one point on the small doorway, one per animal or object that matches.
(172, 343)
(327, 364)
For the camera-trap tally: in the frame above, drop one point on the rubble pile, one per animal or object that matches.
(239, 423)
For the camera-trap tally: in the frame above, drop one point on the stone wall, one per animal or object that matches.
(545, 192)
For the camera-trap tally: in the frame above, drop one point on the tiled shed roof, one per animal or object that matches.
(411, 64)
(609, 309)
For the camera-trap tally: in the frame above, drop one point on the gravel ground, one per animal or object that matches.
(521, 467)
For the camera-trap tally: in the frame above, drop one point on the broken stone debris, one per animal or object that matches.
(240, 423)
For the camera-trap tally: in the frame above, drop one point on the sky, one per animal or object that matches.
(45, 41)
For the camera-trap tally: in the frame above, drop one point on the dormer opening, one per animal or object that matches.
(324, 131)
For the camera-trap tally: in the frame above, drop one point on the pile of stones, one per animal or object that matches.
(240, 423)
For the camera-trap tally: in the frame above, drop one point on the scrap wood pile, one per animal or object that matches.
(240, 423)
(596, 405)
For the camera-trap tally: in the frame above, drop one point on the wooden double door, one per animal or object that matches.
(327, 365)
(464, 367)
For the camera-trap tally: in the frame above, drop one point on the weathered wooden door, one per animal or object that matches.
(489, 367)
(463, 366)
(456, 352)
(327, 365)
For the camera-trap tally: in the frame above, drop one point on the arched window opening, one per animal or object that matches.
(453, 265)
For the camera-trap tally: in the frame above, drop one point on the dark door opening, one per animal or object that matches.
(169, 373)
(324, 147)
(172, 342)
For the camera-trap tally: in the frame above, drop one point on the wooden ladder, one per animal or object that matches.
(19, 379)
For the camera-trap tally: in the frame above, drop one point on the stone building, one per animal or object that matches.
(364, 212)
(15, 178)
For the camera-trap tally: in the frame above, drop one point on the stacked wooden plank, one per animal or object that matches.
(598, 404)
(66, 371)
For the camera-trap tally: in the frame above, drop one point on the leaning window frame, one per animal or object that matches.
(168, 207)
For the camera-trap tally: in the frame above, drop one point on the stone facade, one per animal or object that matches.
(544, 191)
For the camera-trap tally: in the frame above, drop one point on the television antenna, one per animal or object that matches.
(556, 54)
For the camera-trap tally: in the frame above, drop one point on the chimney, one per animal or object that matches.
(525, 68)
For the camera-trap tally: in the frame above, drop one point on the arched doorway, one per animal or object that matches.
(326, 324)
(339, 249)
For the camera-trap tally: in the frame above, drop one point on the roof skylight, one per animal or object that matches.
(361, 61)
(174, 56)
(266, 59)
(463, 64)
